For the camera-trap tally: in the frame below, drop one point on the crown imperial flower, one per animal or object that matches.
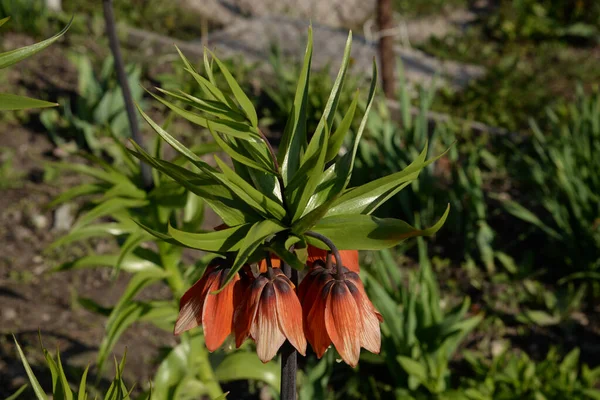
(270, 314)
(337, 311)
(199, 306)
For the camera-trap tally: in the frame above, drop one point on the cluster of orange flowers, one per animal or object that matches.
(330, 306)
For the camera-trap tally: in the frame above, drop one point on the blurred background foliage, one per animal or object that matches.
(501, 304)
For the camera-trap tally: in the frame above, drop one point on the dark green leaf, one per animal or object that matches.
(236, 153)
(238, 93)
(364, 232)
(259, 200)
(293, 141)
(107, 208)
(257, 234)
(225, 240)
(337, 138)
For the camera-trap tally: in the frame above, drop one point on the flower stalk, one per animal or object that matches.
(289, 354)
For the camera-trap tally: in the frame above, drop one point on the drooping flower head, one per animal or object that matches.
(270, 314)
(214, 312)
(337, 311)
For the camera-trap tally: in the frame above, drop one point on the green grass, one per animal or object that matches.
(167, 18)
(523, 77)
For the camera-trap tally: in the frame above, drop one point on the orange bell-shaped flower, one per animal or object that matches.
(270, 314)
(213, 311)
(337, 310)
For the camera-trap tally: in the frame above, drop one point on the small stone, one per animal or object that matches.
(37, 259)
(9, 314)
(63, 217)
(39, 221)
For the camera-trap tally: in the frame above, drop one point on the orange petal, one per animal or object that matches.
(315, 329)
(314, 254)
(262, 264)
(341, 320)
(354, 278)
(289, 314)
(246, 310)
(370, 333)
(265, 328)
(350, 259)
(309, 279)
(217, 313)
(191, 303)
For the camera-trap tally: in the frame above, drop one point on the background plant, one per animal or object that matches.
(558, 169)
(98, 111)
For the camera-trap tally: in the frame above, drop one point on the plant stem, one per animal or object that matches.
(111, 31)
(289, 355)
(334, 250)
(386, 46)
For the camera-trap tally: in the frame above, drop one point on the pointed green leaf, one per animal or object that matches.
(95, 230)
(208, 106)
(257, 234)
(2, 22)
(14, 56)
(109, 207)
(77, 191)
(37, 388)
(171, 140)
(16, 395)
(94, 172)
(337, 138)
(303, 184)
(65, 391)
(231, 128)
(126, 312)
(273, 208)
(367, 198)
(238, 93)
(82, 395)
(130, 263)
(293, 141)
(224, 202)
(364, 232)
(132, 241)
(236, 154)
(10, 102)
(225, 240)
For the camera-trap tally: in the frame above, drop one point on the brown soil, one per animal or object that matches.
(32, 299)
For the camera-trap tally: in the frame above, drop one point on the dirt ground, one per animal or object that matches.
(34, 300)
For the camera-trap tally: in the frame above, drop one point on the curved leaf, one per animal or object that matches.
(14, 56)
(364, 232)
(225, 240)
(245, 365)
